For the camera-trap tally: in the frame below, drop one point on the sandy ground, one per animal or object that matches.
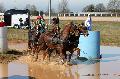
(107, 68)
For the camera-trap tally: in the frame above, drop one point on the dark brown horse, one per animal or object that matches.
(69, 40)
(73, 41)
(56, 43)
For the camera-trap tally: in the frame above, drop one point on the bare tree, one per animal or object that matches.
(28, 6)
(89, 8)
(114, 6)
(63, 6)
(53, 12)
(2, 9)
(33, 9)
(100, 7)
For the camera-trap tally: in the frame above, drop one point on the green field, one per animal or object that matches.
(110, 32)
(17, 35)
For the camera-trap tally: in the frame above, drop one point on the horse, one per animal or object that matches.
(62, 44)
(52, 42)
(31, 41)
(72, 44)
(69, 41)
(33, 45)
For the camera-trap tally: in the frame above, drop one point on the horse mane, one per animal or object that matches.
(66, 31)
(69, 24)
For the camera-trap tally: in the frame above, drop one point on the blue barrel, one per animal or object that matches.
(90, 46)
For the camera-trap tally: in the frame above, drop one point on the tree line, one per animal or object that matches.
(112, 6)
(63, 7)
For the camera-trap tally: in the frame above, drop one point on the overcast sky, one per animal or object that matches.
(74, 5)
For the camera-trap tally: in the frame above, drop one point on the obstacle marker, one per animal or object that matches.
(90, 46)
(3, 37)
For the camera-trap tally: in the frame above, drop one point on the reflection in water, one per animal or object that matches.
(17, 69)
(85, 69)
(50, 71)
(110, 55)
(18, 77)
(110, 50)
(14, 71)
(65, 72)
(3, 70)
(89, 69)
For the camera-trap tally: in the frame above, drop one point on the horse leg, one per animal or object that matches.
(32, 51)
(29, 44)
(62, 55)
(45, 54)
(54, 52)
(86, 33)
(29, 50)
(36, 52)
(48, 53)
(65, 56)
(70, 55)
(78, 51)
(36, 57)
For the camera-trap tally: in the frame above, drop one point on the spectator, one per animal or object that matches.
(21, 22)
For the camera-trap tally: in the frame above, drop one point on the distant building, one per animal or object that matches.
(12, 16)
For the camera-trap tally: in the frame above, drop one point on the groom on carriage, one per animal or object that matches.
(40, 24)
(37, 28)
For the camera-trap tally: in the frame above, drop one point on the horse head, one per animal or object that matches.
(76, 32)
(55, 20)
(67, 30)
(83, 30)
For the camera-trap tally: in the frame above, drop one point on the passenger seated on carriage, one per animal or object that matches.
(40, 23)
(56, 28)
(38, 27)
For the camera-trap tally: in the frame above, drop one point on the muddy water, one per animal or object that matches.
(106, 68)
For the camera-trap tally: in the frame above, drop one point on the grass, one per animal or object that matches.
(16, 35)
(110, 32)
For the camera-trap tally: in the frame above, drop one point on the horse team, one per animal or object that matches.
(56, 40)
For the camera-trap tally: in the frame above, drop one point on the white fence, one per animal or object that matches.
(97, 14)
